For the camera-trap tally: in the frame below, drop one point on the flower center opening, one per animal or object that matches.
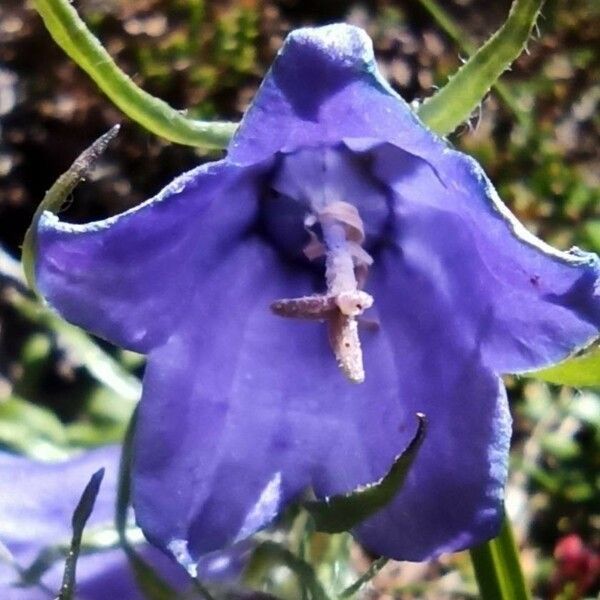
(324, 192)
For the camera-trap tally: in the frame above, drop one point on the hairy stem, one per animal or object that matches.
(455, 102)
(73, 36)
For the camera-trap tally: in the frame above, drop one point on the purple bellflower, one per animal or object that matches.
(333, 200)
(37, 501)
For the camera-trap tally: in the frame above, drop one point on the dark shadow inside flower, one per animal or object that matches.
(305, 181)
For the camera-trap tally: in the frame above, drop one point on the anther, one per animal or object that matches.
(307, 307)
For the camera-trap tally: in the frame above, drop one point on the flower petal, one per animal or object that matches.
(536, 304)
(128, 278)
(346, 98)
(452, 497)
(102, 575)
(245, 410)
(36, 511)
(526, 304)
(36, 508)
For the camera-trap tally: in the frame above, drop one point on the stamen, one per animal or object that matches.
(308, 307)
(344, 302)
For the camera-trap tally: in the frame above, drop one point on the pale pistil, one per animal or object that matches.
(343, 301)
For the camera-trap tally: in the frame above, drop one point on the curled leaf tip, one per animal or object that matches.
(344, 512)
(56, 196)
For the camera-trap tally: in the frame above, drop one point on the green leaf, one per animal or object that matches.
(81, 347)
(34, 357)
(80, 517)
(85, 434)
(341, 513)
(73, 36)
(98, 539)
(32, 430)
(32, 575)
(586, 408)
(498, 569)
(454, 103)
(579, 371)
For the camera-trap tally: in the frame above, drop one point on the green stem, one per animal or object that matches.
(454, 32)
(455, 102)
(271, 553)
(375, 567)
(498, 569)
(73, 36)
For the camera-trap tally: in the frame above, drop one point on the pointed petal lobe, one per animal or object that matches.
(526, 304)
(128, 278)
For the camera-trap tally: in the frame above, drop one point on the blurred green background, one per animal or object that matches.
(539, 143)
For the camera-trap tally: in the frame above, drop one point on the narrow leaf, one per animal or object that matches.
(341, 513)
(498, 569)
(454, 103)
(579, 371)
(11, 270)
(80, 517)
(46, 558)
(81, 347)
(100, 539)
(73, 36)
(32, 430)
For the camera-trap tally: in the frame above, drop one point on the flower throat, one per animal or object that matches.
(335, 231)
